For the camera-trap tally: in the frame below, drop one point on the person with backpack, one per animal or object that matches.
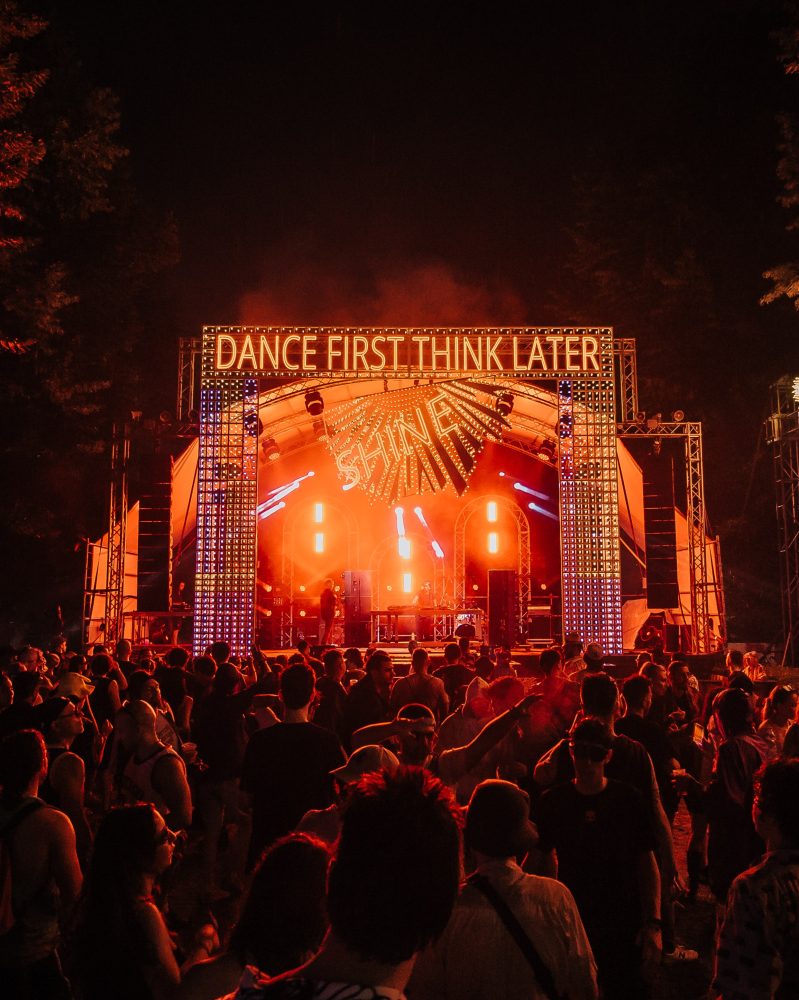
(40, 877)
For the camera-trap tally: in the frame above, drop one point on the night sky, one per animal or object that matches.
(400, 163)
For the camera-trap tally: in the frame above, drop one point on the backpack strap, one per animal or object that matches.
(519, 935)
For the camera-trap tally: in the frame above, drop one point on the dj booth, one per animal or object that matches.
(406, 621)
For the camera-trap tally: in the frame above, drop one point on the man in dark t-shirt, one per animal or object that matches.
(287, 767)
(455, 675)
(637, 692)
(601, 833)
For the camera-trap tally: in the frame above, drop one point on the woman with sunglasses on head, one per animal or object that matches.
(61, 722)
(122, 948)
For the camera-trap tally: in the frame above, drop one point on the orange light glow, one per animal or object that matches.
(407, 583)
(319, 542)
(493, 542)
(318, 514)
(491, 511)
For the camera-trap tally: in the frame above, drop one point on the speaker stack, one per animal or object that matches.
(503, 611)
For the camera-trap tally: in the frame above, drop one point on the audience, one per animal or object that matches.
(238, 752)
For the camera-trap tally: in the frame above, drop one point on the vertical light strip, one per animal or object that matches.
(589, 525)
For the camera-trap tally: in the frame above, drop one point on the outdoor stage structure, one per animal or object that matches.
(459, 462)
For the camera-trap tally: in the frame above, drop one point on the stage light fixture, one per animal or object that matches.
(437, 549)
(319, 429)
(419, 513)
(475, 587)
(303, 613)
(270, 450)
(547, 452)
(399, 514)
(268, 613)
(302, 588)
(314, 403)
(491, 511)
(796, 390)
(654, 421)
(678, 416)
(493, 542)
(404, 547)
(407, 583)
(504, 404)
(319, 542)
(318, 513)
(640, 417)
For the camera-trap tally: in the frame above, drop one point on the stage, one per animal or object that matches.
(503, 479)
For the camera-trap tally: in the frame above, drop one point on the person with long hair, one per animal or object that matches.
(122, 947)
(778, 712)
(282, 922)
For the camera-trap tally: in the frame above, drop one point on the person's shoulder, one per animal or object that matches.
(49, 821)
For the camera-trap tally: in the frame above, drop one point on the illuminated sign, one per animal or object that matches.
(418, 440)
(353, 352)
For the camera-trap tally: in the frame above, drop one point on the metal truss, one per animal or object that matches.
(227, 496)
(523, 548)
(626, 367)
(783, 436)
(189, 361)
(700, 582)
(117, 532)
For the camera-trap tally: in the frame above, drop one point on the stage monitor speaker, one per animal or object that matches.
(660, 533)
(357, 606)
(503, 612)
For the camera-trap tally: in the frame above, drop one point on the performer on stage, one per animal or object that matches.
(424, 623)
(327, 612)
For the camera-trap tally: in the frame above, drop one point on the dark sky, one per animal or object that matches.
(363, 139)
(391, 162)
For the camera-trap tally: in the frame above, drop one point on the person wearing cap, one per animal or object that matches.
(593, 663)
(477, 956)
(414, 728)
(601, 831)
(60, 721)
(326, 823)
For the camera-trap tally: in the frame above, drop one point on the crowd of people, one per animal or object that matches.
(467, 829)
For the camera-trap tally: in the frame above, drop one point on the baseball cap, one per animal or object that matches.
(422, 717)
(72, 685)
(365, 760)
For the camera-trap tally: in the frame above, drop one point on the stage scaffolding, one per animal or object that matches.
(701, 582)
(783, 436)
(593, 410)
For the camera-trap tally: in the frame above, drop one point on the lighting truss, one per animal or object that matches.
(700, 581)
(784, 439)
(226, 512)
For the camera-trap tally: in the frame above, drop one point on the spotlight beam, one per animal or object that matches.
(533, 493)
(540, 510)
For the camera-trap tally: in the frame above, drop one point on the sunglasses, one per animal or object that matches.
(590, 751)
